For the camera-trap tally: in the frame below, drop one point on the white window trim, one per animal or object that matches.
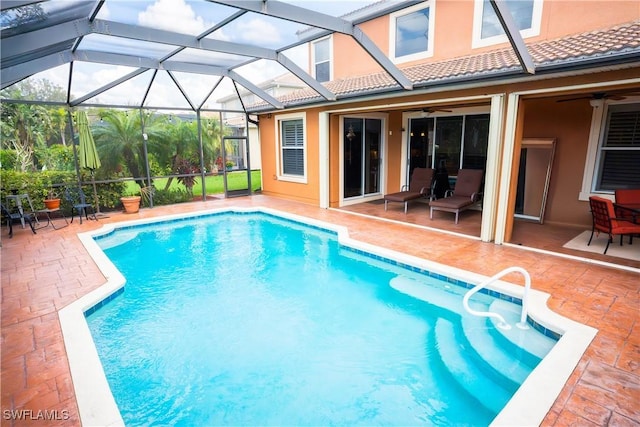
(596, 135)
(313, 56)
(392, 32)
(278, 138)
(477, 41)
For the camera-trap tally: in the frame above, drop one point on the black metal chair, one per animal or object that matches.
(9, 216)
(78, 201)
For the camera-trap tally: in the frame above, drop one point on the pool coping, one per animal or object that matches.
(528, 406)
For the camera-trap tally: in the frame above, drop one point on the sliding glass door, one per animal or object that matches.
(448, 142)
(420, 143)
(361, 156)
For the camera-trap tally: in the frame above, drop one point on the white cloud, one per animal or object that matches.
(259, 31)
(172, 15)
(104, 13)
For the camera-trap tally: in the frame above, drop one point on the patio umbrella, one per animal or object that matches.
(87, 152)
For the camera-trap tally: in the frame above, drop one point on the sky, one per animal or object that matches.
(191, 17)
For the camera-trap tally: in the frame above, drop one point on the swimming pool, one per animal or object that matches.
(398, 289)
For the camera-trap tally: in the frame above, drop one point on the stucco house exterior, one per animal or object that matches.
(238, 123)
(472, 98)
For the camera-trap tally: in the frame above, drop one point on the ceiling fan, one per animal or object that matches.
(615, 95)
(431, 110)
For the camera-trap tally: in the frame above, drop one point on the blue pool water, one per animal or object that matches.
(249, 319)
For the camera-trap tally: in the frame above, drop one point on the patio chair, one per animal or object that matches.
(604, 220)
(465, 194)
(78, 202)
(420, 186)
(9, 216)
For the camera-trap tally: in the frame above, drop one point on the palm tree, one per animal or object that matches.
(179, 145)
(120, 141)
(212, 134)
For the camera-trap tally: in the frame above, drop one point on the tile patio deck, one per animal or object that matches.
(44, 272)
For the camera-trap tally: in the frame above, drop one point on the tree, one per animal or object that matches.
(22, 15)
(212, 134)
(24, 127)
(59, 122)
(27, 127)
(120, 141)
(179, 146)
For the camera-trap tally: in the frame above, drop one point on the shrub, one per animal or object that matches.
(37, 186)
(8, 159)
(171, 196)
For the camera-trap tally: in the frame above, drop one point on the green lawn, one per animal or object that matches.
(214, 184)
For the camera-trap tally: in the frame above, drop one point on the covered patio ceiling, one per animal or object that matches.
(142, 54)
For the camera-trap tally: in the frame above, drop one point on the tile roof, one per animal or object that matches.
(575, 50)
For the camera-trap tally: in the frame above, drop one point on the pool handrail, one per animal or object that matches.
(502, 323)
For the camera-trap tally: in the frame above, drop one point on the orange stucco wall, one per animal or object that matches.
(560, 18)
(308, 192)
(394, 152)
(454, 30)
(569, 123)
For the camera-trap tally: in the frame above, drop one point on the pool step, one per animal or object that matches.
(529, 343)
(433, 291)
(463, 365)
(499, 360)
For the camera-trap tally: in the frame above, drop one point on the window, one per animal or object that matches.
(487, 29)
(449, 142)
(619, 151)
(411, 33)
(291, 147)
(322, 60)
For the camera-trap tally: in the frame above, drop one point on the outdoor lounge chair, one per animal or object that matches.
(9, 216)
(78, 201)
(604, 220)
(420, 186)
(466, 193)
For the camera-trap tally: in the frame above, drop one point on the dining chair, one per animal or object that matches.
(605, 221)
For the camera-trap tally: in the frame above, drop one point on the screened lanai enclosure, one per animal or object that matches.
(171, 89)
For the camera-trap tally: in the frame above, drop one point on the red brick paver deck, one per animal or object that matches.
(44, 272)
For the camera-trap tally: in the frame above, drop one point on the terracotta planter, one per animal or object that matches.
(131, 204)
(52, 203)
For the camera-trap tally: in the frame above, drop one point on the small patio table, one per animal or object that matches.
(47, 213)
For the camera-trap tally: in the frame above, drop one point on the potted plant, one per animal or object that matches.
(131, 204)
(229, 165)
(52, 201)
